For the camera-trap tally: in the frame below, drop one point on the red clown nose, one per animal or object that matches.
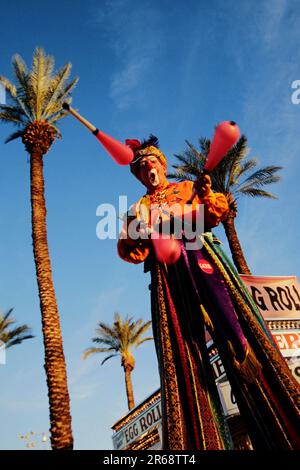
(226, 135)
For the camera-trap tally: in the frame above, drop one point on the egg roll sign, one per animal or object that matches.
(277, 297)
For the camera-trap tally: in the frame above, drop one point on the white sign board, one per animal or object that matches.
(277, 297)
(144, 422)
(227, 399)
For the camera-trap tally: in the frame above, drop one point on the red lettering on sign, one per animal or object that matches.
(287, 340)
(293, 340)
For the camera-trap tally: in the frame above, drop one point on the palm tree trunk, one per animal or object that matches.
(59, 402)
(235, 246)
(129, 388)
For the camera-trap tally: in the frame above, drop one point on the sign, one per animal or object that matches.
(227, 399)
(146, 421)
(218, 368)
(277, 297)
(295, 368)
(288, 342)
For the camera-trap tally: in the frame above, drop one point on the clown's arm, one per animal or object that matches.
(215, 204)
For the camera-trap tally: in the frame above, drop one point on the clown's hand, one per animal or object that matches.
(202, 185)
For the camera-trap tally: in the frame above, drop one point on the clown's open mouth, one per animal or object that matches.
(153, 177)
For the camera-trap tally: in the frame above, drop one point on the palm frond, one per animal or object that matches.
(39, 82)
(191, 162)
(13, 136)
(20, 71)
(191, 167)
(15, 331)
(64, 95)
(56, 85)
(55, 117)
(14, 110)
(196, 155)
(10, 117)
(25, 93)
(25, 105)
(149, 338)
(263, 176)
(5, 320)
(182, 158)
(14, 114)
(124, 334)
(11, 337)
(233, 160)
(245, 167)
(108, 357)
(104, 328)
(90, 351)
(180, 175)
(108, 340)
(254, 192)
(18, 340)
(141, 329)
(204, 144)
(12, 90)
(49, 65)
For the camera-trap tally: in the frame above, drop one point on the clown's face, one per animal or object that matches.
(152, 173)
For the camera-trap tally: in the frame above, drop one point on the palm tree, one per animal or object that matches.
(119, 339)
(35, 105)
(12, 336)
(231, 177)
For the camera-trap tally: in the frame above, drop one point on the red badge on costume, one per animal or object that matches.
(205, 266)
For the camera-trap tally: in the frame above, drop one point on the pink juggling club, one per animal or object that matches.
(121, 153)
(226, 135)
(167, 248)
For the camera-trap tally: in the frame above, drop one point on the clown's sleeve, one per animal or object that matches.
(215, 205)
(132, 251)
(215, 208)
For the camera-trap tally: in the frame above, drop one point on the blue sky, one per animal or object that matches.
(171, 68)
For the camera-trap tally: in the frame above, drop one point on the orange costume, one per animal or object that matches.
(215, 210)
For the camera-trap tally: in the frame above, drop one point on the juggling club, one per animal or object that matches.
(121, 153)
(226, 135)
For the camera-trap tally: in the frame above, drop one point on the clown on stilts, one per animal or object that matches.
(184, 300)
(203, 291)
